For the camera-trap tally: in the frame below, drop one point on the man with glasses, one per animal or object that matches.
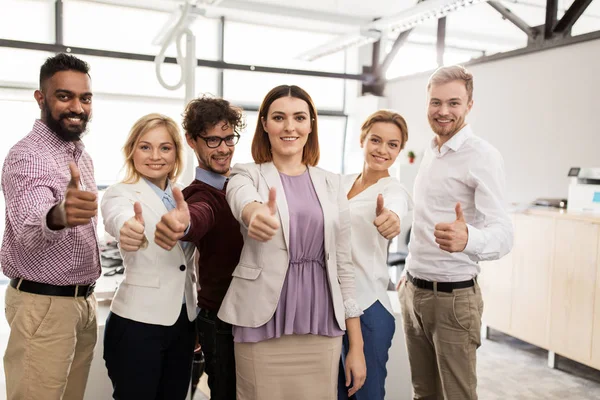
(212, 129)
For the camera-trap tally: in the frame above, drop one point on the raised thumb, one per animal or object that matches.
(459, 213)
(179, 199)
(379, 208)
(272, 204)
(137, 208)
(75, 176)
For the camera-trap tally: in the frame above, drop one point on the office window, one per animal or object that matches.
(132, 30)
(28, 21)
(277, 47)
(249, 88)
(21, 68)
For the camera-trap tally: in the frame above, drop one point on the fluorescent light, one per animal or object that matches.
(340, 43)
(421, 12)
(403, 21)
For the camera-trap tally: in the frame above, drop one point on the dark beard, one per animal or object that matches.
(62, 131)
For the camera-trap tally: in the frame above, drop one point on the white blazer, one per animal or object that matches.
(258, 278)
(155, 279)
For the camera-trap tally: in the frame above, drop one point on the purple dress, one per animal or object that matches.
(305, 305)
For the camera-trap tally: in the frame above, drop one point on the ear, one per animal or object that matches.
(39, 98)
(264, 123)
(470, 105)
(191, 142)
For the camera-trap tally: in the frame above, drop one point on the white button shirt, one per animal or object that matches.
(369, 248)
(469, 170)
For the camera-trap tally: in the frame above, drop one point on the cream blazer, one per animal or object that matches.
(258, 278)
(155, 279)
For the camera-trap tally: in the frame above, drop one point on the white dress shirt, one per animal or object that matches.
(369, 248)
(469, 170)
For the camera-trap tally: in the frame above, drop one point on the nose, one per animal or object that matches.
(443, 109)
(222, 148)
(75, 106)
(156, 154)
(290, 125)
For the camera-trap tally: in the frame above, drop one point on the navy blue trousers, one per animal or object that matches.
(378, 327)
(150, 362)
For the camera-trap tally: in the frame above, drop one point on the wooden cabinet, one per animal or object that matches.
(532, 256)
(496, 288)
(596, 330)
(547, 291)
(573, 289)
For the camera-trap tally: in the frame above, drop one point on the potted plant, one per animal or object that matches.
(411, 156)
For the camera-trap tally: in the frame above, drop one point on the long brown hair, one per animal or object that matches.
(261, 146)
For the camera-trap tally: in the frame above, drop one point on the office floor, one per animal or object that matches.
(507, 369)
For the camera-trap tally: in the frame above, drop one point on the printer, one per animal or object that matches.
(584, 190)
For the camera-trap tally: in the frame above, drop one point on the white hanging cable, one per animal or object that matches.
(176, 35)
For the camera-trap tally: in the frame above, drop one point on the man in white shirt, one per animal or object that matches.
(459, 220)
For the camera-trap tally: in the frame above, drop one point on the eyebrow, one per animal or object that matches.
(71, 92)
(143, 141)
(296, 113)
(379, 137)
(452, 99)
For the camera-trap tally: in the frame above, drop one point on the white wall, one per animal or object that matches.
(540, 110)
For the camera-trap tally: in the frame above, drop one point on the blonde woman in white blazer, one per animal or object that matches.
(149, 337)
(292, 294)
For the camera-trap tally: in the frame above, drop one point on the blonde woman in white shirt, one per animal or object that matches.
(377, 204)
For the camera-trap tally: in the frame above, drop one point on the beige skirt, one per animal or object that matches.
(292, 367)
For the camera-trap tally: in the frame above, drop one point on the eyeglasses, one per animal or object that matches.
(214, 141)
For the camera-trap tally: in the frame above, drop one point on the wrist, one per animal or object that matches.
(56, 219)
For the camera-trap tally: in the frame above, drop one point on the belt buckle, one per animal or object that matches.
(89, 290)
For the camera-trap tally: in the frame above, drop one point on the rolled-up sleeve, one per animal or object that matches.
(343, 252)
(495, 238)
(28, 184)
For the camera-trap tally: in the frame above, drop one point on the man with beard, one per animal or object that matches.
(50, 247)
(459, 220)
(212, 129)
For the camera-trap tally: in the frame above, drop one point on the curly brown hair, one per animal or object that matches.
(203, 113)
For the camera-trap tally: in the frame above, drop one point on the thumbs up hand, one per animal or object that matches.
(78, 206)
(453, 237)
(263, 224)
(131, 235)
(386, 221)
(173, 224)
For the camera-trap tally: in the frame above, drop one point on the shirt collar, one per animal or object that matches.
(454, 143)
(211, 178)
(161, 193)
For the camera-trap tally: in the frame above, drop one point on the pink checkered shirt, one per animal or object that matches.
(34, 179)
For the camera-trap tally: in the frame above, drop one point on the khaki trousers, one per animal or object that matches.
(443, 332)
(50, 347)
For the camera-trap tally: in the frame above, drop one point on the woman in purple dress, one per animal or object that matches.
(292, 293)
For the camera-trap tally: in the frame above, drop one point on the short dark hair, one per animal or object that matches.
(62, 62)
(203, 113)
(261, 146)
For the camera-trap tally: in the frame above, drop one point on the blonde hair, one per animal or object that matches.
(139, 129)
(388, 116)
(452, 73)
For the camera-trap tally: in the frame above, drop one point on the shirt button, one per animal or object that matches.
(182, 267)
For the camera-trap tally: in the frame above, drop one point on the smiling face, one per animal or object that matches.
(66, 103)
(155, 155)
(288, 124)
(217, 159)
(448, 107)
(382, 145)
